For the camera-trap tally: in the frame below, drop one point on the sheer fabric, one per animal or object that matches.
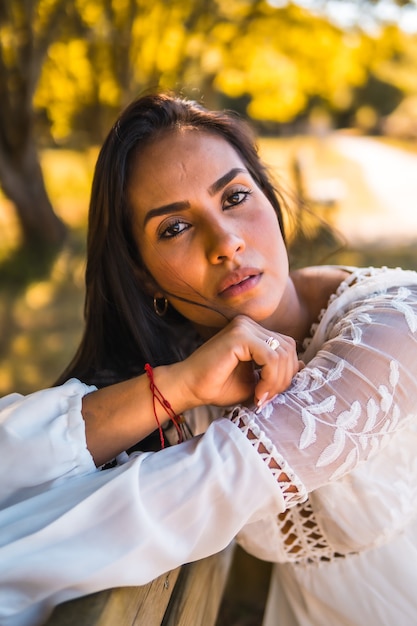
(344, 440)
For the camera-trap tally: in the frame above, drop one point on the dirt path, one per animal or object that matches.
(391, 177)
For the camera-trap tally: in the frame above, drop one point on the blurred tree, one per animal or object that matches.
(290, 58)
(80, 62)
(122, 47)
(26, 29)
(394, 59)
(278, 61)
(390, 63)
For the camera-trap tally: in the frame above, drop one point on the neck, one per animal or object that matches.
(293, 316)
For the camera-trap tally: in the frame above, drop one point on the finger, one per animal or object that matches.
(277, 372)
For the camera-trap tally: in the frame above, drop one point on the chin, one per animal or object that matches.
(266, 318)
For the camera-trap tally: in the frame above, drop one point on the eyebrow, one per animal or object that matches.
(173, 207)
(223, 180)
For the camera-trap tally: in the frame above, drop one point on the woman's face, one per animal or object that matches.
(206, 232)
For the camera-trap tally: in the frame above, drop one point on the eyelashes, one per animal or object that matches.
(237, 197)
(173, 229)
(176, 226)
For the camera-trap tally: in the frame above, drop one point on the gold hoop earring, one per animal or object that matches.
(160, 311)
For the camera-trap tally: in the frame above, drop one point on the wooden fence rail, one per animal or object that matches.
(188, 596)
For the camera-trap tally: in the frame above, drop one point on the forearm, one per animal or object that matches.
(156, 512)
(119, 416)
(220, 372)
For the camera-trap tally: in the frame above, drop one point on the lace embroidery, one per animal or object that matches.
(292, 488)
(303, 538)
(344, 424)
(356, 276)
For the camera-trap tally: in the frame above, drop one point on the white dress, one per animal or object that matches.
(345, 435)
(340, 523)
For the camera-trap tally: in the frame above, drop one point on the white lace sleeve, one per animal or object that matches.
(355, 392)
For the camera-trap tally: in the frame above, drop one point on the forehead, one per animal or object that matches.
(178, 160)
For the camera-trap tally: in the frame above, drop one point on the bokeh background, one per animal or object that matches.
(329, 86)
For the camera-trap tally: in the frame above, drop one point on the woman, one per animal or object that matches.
(186, 247)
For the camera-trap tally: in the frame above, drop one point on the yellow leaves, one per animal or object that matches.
(263, 64)
(271, 78)
(280, 106)
(211, 60)
(225, 32)
(279, 54)
(159, 42)
(234, 9)
(8, 46)
(65, 82)
(395, 59)
(170, 48)
(91, 11)
(288, 56)
(42, 13)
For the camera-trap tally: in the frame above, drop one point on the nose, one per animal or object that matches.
(222, 243)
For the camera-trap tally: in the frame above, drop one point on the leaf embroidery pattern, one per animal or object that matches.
(346, 421)
(334, 450)
(410, 316)
(308, 436)
(394, 374)
(347, 465)
(386, 398)
(380, 414)
(349, 419)
(372, 410)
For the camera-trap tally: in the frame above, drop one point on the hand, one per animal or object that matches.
(237, 365)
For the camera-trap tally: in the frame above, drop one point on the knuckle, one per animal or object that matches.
(240, 324)
(292, 343)
(241, 321)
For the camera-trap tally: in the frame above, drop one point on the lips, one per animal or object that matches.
(239, 280)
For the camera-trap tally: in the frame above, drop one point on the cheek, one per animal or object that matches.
(156, 266)
(160, 268)
(266, 231)
(171, 275)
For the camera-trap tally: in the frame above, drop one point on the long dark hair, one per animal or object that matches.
(122, 331)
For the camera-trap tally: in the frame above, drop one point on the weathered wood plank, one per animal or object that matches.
(124, 606)
(199, 591)
(187, 596)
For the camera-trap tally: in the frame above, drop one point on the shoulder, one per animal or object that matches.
(322, 275)
(316, 284)
(364, 292)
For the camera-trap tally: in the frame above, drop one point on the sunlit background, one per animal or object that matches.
(330, 88)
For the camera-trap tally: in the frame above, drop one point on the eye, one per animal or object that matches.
(236, 197)
(173, 229)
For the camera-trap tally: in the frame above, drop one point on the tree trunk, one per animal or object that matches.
(21, 57)
(22, 181)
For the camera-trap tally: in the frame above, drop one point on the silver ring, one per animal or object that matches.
(272, 343)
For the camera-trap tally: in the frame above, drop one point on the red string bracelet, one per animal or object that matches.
(157, 396)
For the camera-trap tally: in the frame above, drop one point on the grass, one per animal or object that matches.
(42, 321)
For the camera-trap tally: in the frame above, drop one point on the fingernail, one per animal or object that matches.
(260, 403)
(264, 404)
(262, 399)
